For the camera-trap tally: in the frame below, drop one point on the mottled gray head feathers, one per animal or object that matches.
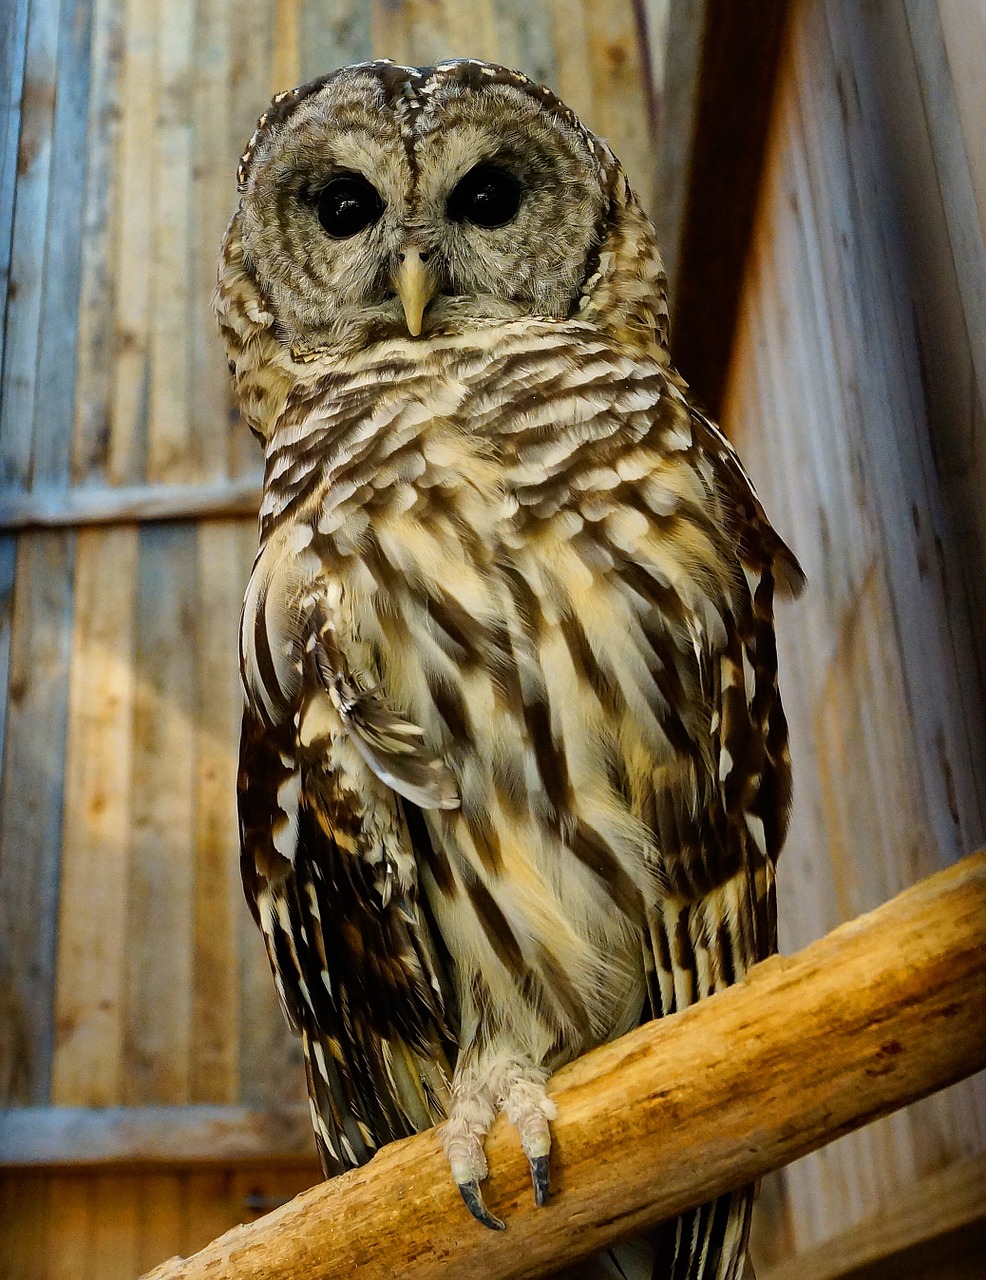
(554, 230)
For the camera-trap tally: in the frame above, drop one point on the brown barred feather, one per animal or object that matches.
(514, 768)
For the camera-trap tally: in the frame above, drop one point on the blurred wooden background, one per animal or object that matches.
(829, 302)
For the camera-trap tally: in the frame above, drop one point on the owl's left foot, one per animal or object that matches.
(477, 1096)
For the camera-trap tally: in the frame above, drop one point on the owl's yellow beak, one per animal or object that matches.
(415, 285)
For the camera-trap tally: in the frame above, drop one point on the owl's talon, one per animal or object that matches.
(473, 1199)
(539, 1176)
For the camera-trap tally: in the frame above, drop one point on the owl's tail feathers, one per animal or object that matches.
(707, 1243)
(339, 1139)
(416, 1088)
(710, 1241)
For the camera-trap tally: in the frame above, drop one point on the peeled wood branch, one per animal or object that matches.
(882, 1011)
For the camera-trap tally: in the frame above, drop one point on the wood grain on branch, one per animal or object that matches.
(882, 1011)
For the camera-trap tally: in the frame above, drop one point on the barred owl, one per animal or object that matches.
(514, 770)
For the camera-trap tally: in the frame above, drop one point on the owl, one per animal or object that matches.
(514, 771)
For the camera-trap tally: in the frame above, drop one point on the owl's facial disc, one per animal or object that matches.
(386, 202)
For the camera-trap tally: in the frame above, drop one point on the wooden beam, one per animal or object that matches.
(730, 116)
(882, 1011)
(152, 1137)
(69, 508)
(674, 41)
(936, 1219)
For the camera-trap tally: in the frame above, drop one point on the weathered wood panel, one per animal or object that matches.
(831, 399)
(13, 42)
(27, 245)
(112, 373)
(31, 818)
(95, 851)
(115, 1226)
(935, 1230)
(160, 980)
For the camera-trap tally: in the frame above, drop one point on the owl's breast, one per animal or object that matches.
(521, 558)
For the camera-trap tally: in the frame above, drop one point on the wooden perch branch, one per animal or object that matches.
(882, 1011)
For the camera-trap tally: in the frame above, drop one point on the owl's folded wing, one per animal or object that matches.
(329, 876)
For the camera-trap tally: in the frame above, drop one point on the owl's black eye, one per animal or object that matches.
(348, 204)
(486, 196)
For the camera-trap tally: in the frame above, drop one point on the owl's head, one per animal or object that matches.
(384, 200)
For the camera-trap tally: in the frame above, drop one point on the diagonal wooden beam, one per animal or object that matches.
(728, 85)
(884, 1010)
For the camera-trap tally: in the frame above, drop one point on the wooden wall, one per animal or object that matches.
(130, 973)
(855, 396)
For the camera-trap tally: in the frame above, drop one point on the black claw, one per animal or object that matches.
(474, 1203)
(539, 1176)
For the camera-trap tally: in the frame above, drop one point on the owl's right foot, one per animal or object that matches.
(470, 1116)
(477, 1096)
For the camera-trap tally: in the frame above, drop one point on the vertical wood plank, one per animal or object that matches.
(24, 1202)
(31, 823)
(215, 154)
(70, 1227)
(525, 37)
(286, 55)
(114, 1246)
(101, 215)
(258, 1191)
(951, 164)
(619, 87)
(170, 456)
(427, 36)
(827, 403)
(902, 473)
(210, 1207)
(944, 256)
(253, 81)
(390, 31)
(13, 50)
(161, 1215)
(964, 31)
(58, 324)
(676, 102)
(135, 197)
(27, 255)
(215, 1068)
(333, 36)
(8, 561)
(158, 1024)
(573, 67)
(96, 844)
(763, 412)
(471, 30)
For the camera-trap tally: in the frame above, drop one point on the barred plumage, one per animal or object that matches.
(514, 766)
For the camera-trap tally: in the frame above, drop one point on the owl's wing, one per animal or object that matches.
(328, 874)
(720, 823)
(720, 815)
